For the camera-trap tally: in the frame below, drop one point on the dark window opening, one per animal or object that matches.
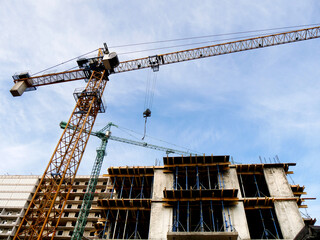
(141, 187)
(253, 185)
(69, 206)
(77, 183)
(190, 177)
(66, 214)
(60, 233)
(185, 220)
(262, 225)
(127, 231)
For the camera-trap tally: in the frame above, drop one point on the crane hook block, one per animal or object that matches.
(110, 61)
(147, 113)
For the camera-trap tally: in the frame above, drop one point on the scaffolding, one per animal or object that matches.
(199, 198)
(126, 213)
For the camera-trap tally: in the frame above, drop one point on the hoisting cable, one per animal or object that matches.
(126, 130)
(148, 100)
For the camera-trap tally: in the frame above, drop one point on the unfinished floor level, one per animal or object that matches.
(201, 198)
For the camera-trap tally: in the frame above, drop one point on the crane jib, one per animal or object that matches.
(29, 83)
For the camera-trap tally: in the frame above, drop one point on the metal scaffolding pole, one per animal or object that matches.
(197, 177)
(274, 224)
(176, 182)
(209, 179)
(186, 178)
(115, 224)
(136, 228)
(122, 184)
(188, 216)
(244, 193)
(178, 206)
(224, 216)
(125, 225)
(265, 232)
(212, 216)
(174, 226)
(131, 187)
(219, 178)
(201, 218)
(105, 225)
(142, 185)
(114, 183)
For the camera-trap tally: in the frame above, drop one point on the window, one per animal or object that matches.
(86, 183)
(77, 214)
(66, 214)
(4, 221)
(69, 206)
(97, 214)
(73, 224)
(77, 183)
(79, 206)
(60, 233)
(70, 233)
(92, 234)
(104, 183)
(74, 190)
(103, 190)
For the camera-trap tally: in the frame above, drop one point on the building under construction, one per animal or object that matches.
(193, 197)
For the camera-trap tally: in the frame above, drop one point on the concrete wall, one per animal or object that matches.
(287, 212)
(160, 217)
(237, 213)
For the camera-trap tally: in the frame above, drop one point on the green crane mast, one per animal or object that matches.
(104, 134)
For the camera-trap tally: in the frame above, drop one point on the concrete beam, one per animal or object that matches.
(160, 216)
(287, 212)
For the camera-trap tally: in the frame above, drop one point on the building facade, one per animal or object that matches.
(201, 198)
(17, 191)
(191, 197)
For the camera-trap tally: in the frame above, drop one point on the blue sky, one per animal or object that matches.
(256, 103)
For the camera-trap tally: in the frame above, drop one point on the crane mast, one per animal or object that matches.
(55, 185)
(50, 197)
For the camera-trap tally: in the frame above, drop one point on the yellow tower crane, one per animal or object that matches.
(48, 202)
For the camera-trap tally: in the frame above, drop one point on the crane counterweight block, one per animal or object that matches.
(22, 83)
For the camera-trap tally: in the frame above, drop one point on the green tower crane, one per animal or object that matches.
(104, 134)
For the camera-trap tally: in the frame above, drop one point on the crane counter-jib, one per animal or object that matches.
(25, 82)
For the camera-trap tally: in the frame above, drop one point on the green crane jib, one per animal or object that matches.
(105, 134)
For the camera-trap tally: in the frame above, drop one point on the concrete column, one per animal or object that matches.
(160, 217)
(287, 212)
(237, 213)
